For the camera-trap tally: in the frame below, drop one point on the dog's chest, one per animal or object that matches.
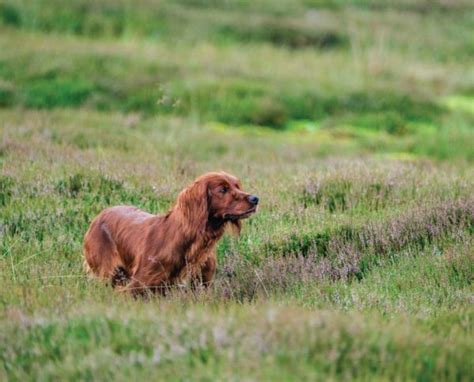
(196, 256)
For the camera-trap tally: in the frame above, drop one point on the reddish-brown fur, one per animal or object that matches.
(140, 251)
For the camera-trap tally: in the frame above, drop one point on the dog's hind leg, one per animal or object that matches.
(101, 255)
(120, 277)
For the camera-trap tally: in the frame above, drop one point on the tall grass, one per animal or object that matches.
(351, 120)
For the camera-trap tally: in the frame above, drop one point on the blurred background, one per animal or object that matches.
(377, 76)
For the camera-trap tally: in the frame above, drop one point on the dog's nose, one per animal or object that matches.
(253, 199)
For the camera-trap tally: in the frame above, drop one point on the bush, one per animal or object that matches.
(6, 187)
(279, 32)
(49, 93)
(9, 15)
(269, 112)
(7, 94)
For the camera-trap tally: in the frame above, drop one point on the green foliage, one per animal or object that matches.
(99, 82)
(9, 15)
(358, 347)
(352, 120)
(289, 34)
(6, 187)
(6, 95)
(57, 92)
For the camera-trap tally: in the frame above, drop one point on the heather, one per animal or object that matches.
(351, 120)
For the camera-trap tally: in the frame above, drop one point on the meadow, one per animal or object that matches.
(352, 120)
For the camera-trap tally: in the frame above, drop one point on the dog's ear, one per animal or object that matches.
(193, 202)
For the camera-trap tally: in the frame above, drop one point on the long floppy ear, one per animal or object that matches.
(194, 205)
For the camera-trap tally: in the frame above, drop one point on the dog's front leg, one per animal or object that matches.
(204, 274)
(208, 270)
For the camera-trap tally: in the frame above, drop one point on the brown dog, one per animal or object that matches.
(139, 251)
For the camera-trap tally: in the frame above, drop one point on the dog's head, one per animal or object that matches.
(216, 197)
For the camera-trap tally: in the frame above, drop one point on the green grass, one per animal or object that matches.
(353, 122)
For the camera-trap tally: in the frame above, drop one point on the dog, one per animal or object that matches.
(138, 252)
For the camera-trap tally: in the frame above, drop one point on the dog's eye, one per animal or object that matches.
(223, 190)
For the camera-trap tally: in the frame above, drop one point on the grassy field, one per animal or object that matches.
(352, 120)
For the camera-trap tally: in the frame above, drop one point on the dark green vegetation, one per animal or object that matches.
(353, 121)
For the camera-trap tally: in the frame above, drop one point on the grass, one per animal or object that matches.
(351, 120)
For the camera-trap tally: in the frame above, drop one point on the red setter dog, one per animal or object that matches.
(138, 251)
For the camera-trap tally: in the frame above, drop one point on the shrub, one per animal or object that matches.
(7, 94)
(285, 33)
(269, 112)
(6, 189)
(9, 15)
(349, 248)
(49, 93)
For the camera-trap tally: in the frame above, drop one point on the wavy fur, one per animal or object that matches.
(137, 251)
